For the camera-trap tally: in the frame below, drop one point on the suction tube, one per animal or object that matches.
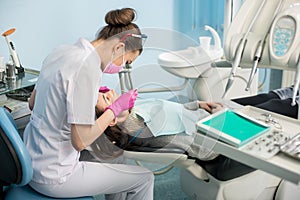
(296, 83)
(215, 35)
(255, 64)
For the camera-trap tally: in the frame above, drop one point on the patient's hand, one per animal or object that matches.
(210, 107)
(217, 107)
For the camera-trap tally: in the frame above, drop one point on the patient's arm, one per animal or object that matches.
(210, 107)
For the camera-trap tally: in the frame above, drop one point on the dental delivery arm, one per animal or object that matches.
(240, 50)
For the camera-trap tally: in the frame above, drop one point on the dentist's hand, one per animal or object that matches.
(124, 102)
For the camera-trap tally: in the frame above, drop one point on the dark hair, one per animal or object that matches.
(114, 133)
(119, 24)
(109, 145)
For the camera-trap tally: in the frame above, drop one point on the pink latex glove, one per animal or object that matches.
(124, 102)
(103, 89)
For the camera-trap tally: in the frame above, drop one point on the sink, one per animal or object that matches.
(193, 61)
(190, 62)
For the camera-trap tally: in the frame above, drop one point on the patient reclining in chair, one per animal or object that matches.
(154, 123)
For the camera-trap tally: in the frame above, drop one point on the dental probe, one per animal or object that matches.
(239, 52)
(296, 83)
(255, 64)
(235, 65)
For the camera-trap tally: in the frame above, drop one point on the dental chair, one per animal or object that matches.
(251, 41)
(262, 34)
(16, 168)
(218, 179)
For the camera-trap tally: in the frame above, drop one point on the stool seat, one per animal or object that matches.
(26, 192)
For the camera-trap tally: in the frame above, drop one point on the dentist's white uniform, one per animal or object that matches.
(66, 93)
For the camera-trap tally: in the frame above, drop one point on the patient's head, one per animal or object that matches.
(113, 133)
(105, 99)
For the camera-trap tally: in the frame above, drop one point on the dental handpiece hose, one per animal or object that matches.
(296, 83)
(235, 65)
(259, 50)
(255, 64)
(239, 53)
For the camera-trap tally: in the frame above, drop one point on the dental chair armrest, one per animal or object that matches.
(222, 64)
(169, 156)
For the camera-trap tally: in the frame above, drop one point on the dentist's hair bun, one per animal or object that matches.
(120, 17)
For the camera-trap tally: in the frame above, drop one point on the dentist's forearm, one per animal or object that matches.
(32, 99)
(84, 135)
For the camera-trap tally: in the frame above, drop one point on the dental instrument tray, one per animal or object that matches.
(232, 127)
(292, 147)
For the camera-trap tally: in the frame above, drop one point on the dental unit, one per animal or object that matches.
(272, 42)
(259, 50)
(239, 51)
(253, 40)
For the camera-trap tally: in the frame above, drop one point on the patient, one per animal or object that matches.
(131, 132)
(278, 101)
(154, 123)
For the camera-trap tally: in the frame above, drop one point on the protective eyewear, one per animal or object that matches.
(142, 36)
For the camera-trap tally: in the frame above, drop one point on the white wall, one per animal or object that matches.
(41, 25)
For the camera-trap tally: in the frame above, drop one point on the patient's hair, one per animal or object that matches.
(115, 134)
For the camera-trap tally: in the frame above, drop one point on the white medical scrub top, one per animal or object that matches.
(66, 93)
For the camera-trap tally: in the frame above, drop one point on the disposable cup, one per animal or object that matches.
(205, 42)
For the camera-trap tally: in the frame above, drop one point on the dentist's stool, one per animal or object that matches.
(16, 168)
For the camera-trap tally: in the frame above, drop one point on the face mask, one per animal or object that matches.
(112, 68)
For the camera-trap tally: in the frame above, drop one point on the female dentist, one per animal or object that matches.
(63, 116)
